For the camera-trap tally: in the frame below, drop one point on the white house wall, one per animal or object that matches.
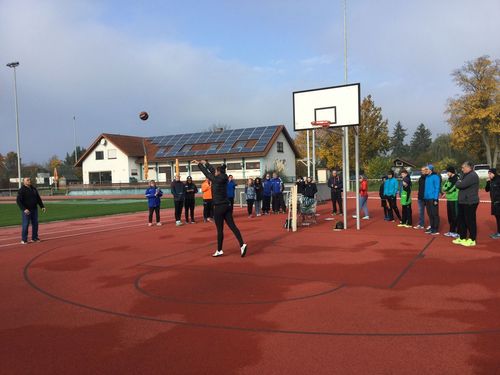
(287, 157)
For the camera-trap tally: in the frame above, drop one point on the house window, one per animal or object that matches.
(240, 144)
(195, 168)
(112, 154)
(134, 172)
(253, 165)
(206, 147)
(234, 166)
(100, 177)
(183, 168)
(99, 155)
(166, 170)
(280, 146)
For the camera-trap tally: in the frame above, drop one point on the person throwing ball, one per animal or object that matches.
(221, 207)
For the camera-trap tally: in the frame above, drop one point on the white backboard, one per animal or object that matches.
(338, 104)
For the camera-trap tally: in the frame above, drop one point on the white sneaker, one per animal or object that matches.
(258, 215)
(24, 242)
(366, 217)
(158, 224)
(455, 235)
(218, 253)
(243, 250)
(178, 223)
(150, 224)
(354, 217)
(447, 234)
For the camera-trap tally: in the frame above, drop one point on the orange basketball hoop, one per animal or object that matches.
(323, 123)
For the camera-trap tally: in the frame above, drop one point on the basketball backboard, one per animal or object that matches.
(340, 105)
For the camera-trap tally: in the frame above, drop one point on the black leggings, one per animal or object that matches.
(189, 209)
(467, 221)
(393, 207)
(250, 203)
(223, 213)
(155, 210)
(498, 223)
(178, 209)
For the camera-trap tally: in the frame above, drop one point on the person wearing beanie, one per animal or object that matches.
(390, 191)
(431, 197)
(405, 195)
(468, 200)
(493, 187)
(223, 212)
(450, 191)
(420, 199)
(383, 199)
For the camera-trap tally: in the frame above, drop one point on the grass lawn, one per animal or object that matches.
(65, 210)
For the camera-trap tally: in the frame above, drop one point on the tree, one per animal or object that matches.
(474, 116)
(10, 163)
(398, 146)
(378, 167)
(420, 142)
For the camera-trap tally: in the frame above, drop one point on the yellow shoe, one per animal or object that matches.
(458, 241)
(469, 243)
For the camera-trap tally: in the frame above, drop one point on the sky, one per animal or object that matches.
(191, 64)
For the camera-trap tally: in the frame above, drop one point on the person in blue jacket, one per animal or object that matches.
(391, 188)
(153, 193)
(277, 193)
(431, 198)
(267, 192)
(231, 190)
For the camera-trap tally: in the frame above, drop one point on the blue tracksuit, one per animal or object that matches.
(276, 184)
(231, 187)
(432, 187)
(153, 198)
(391, 187)
(268, 188)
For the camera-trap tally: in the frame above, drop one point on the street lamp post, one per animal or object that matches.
(14, 65)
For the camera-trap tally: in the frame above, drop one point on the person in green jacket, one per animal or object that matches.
(405, 196)
(450, 191)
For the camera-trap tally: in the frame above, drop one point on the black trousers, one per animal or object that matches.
(223, 213)
(178, 209)
(189, 209)
(467, 221)
(250, 203)
(498, 223)
(393, 208)
(383, 204)
(278, 202)
(266, 204)
(433, 213)
(154, 210)
(336, 199)
(231, 202)
(407, 215)
(452, 211)
(207, 208)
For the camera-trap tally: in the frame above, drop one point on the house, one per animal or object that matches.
(399, 164)
(247, 152)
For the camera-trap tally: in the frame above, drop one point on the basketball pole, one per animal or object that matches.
(314, 154)
(308, 154)
(345, 140)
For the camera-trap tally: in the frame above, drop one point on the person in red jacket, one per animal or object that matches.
(363, 197)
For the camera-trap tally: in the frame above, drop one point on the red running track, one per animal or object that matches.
(112, 296)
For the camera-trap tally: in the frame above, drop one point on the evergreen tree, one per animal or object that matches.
(420, 142)
(398, 146)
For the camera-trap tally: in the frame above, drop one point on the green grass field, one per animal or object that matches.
(77, 209)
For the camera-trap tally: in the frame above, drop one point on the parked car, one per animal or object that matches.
(415, 175)
(444, 175)
(482, 170)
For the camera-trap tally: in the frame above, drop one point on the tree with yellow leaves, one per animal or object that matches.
(474, 116)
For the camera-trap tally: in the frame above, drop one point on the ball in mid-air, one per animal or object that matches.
(143, 116)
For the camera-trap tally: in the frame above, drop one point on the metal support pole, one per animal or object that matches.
(308, 154)
(314, 154)
(345, 179)
(346, 130)
(18, 143)
(74, 138)
(356, 156)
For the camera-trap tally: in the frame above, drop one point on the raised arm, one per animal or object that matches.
(205, 170)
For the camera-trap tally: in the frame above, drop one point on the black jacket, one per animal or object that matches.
(219, 184)
(310, 190)
(28, 198)
(259, 190)
(381, 191)
(493, 187)
(177, 189)
(421, 187)
(190, 190)
(300, 186)
(335, 181)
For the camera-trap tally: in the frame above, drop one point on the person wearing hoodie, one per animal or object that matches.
(223, 212)
(250, 195)
(493, 187)
(390, 192)
(154, 194)
(468, 200)
(383, 199)
(178, 193)
(450, 191)
(206, 189)
(405, 195)
(431, 197)
(190, 191)
(231, 190)
(420, 199)
(267, 192)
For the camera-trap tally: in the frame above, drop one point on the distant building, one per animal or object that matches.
(399, 164)
(248, 152)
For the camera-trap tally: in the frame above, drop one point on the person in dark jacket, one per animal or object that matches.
(222, 210)
(383, 199)
(28, 201)
(336, 186)
(258, 195)
(267, 192)
(450, 191)
(190, 191)
(468, 200)
(300, 185)
(154, 194)
(493, 187)
(177, 189)
(310, 188)
(420, 199)
(250, 196)
(277, 194)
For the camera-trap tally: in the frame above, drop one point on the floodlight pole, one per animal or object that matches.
(314, 154)
(308, 154)
(74, 138)
(13, 65)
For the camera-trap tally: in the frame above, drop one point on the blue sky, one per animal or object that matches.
(191, 64)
